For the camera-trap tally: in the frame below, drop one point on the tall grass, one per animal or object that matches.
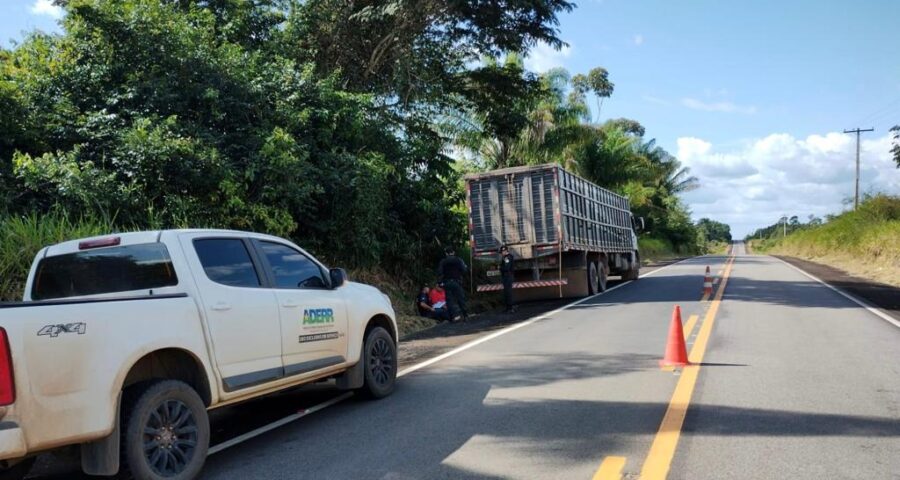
(868, 235)
(654, 248)
(21, 237)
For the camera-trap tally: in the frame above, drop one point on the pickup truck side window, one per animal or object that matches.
(227, 261)
(291, 268)
(104, 270)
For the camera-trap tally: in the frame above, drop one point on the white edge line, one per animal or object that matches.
(297, 416)
(862, 303)
(479, 341)
(278, 423)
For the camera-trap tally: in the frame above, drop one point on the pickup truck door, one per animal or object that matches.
(242, 314)
(313, 316)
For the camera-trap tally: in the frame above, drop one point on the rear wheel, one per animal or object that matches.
(604, 274)
(593, 278)
(165, 432)
(16, 471)
(380, 357)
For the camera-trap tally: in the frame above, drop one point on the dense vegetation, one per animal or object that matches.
(343, 125)
(866, 237)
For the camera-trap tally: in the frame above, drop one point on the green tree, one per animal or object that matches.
(714, 231)
(895, 148)
(597, 82)
(627, 125)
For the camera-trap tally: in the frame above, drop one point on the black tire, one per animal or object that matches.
(593, 279)
(17, 471)
(633, 273)
(604, 276)
(380, 357)
(165, 432)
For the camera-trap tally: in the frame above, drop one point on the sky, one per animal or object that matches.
(752, 96)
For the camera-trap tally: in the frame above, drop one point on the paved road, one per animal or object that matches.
(791, 380)
(796, 382)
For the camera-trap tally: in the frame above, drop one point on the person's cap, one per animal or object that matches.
(449, 250)
(504, 248)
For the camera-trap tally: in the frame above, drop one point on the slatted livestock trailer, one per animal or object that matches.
(567, 235)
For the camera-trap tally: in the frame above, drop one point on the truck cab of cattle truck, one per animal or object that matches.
(567, 235)
(115, 328)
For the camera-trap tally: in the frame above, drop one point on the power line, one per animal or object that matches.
(857, 131)
(881, 110)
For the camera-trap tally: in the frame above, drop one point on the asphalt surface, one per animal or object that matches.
(797, 382)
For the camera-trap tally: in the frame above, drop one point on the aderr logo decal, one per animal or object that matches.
(318, 317)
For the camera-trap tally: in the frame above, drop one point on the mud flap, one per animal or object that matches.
(101, 457)
(353, 377)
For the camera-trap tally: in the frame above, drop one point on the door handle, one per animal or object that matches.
(221, 306)
(289, 304)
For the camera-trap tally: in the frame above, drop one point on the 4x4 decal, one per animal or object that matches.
(54, 330)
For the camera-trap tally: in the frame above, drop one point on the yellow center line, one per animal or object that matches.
(610, 469)
(705, 297)
(689, 326)
(662, 451)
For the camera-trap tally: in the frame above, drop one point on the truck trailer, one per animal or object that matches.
(567, 235)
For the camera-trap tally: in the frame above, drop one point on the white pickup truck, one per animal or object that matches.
(123, 343)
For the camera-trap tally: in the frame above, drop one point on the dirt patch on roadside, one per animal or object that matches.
(881, 295)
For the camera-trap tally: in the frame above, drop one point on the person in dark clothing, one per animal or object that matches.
(450, 271)
(423, 303)
(506, 275)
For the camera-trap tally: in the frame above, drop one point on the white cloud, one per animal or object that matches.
(46, 7)
(543, 57)
(725, 107)
(752, 185)
(639, 39)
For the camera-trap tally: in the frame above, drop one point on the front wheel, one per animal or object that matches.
(380, 357)
(17, 471)
(165, 432)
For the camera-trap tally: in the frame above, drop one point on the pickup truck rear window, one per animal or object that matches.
(105, 270)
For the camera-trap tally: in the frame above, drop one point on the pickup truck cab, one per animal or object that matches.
(123, 343)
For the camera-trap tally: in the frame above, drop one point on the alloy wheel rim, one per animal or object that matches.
(381, 361)
(170, 438)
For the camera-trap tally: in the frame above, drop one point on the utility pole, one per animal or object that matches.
(857, 131)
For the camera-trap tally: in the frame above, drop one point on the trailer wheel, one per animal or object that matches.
(593, 279)
(604, 275)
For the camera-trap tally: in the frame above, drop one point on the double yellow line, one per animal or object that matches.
(662, 451)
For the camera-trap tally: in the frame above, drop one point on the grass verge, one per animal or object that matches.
(864, 242)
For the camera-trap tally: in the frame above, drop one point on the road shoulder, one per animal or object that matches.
(879, 295)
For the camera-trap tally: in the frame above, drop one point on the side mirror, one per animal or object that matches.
(338, 277)
(641, 221)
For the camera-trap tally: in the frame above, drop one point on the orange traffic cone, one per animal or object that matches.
(707, 283)
(676, 350)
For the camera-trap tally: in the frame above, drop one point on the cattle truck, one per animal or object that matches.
(567, 235)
